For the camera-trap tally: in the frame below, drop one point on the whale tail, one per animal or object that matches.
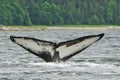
(50, 51)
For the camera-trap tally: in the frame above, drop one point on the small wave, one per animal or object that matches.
(110, 73)
(49, 64)
(10, 62)
(63, 64)
(100, 65)
(5, 79)
(75, 64)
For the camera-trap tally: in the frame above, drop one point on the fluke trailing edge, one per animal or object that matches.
(52, 52)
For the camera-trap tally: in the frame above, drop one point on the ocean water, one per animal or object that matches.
(101, 61)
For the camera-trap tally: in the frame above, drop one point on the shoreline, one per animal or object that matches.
(3, 28)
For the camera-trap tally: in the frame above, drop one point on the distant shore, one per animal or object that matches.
(4, 28)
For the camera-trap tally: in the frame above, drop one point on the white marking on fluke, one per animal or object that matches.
(52, 52)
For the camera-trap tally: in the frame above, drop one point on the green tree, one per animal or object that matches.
(5, 15)
(18, 14)
(94, 20)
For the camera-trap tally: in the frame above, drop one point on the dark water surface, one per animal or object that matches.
(101, 61)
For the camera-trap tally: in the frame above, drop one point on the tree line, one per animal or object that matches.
(58, 12)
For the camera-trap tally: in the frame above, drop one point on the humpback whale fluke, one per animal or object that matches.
(52, 52)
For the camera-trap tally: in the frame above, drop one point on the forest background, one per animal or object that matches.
(59, 12)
